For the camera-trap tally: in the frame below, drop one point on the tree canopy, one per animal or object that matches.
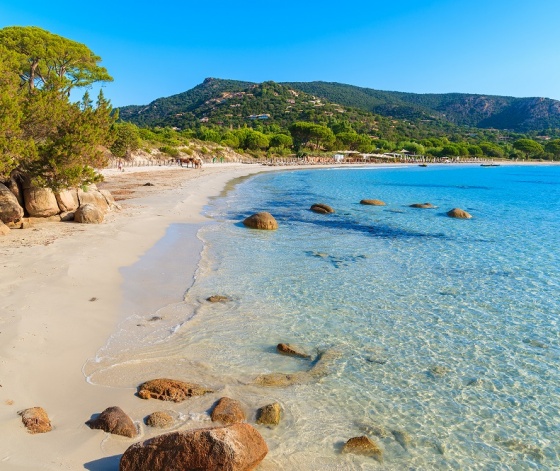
(43, 135)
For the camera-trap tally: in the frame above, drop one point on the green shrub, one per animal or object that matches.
(172, 151)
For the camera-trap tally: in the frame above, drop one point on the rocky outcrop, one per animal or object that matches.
(88, 214)
(111, 203)
(114, 420)
(40, 202)
(269, 414)
(4, 230)
(321, 208)
(35, 420)
(67, 200)
(423, 205)
(363, 446)
(170, 390)
(263, 221)
(291, 350)
(373, 202)
(228, 411)
(10, 209)
(159, 420)
(238, 447)
(94, 197)
(458, 213)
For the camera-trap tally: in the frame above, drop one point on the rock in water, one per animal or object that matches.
(373, 202)
(170, 390)
(35, 420)
(423, 205)
(159, 420)
(10, 209)
(238, 447)
(402, 437)
(458, 214)
(363, 446)
(228, 411)
(88, 214)
(217, 298)
(114, 420)
(292, 350)
(321, 208)
(263, 221)
(270, 414)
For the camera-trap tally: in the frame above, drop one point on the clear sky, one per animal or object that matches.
(155, 49)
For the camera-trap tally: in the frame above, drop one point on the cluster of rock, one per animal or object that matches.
(22, 205)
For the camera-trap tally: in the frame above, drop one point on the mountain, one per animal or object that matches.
(233, 103)
(481, 111)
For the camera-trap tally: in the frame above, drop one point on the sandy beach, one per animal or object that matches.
(61, 299)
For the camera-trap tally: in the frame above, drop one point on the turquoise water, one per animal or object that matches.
(442, 334)
(447, 329)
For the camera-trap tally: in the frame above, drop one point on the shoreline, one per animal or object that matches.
(50, 328)
(50, 324)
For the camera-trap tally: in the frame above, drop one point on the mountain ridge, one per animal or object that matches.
(209, 99)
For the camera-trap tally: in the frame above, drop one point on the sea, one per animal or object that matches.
(440, 337)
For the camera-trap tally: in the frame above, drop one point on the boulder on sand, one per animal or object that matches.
(35, 420)
(4, 230)
(10, 209)
(264, 221)
(114, 420)
(40, 202)
(93, 196)
(321, 208)
(228, 411)
(170, 390)
(159, 420)
(88, 214)
(458, 213)
(237, 447)
(67, 200)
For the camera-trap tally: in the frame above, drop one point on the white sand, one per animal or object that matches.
(49, 327)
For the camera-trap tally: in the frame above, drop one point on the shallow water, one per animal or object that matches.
(446, 331)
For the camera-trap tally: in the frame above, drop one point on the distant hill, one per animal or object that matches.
(235, 103)
(481, 111)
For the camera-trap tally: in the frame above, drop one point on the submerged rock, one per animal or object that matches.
(228, 411)
(35, 420)
(517, 445)
(269, 414)
(403, 438)
(170, 390)
(535, 343)
(114, 420)
(217, 298)
(438, 370)
(291, 350)
(373, 202)
(363, 446)
(238, 447)
(321, 367)
(458, 214)
(321, 208)
(423, 205)
(377, 430)
(159, 420)
(263, 221)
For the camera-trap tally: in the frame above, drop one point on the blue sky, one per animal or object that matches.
(156, 49)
